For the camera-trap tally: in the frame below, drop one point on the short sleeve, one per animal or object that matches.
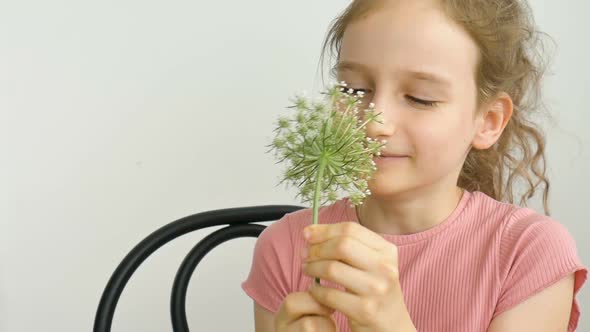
(534, 255)
(270, 277)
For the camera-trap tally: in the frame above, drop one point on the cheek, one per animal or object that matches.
(443, 143)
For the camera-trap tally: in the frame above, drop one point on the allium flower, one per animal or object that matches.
(325, 144)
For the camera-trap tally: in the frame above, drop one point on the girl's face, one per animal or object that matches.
(418, 67)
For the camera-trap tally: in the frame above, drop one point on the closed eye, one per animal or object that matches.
(412, 99)
(429, 103)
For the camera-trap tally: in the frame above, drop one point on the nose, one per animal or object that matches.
(387, 122)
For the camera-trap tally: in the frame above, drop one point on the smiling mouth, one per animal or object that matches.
(392, 156)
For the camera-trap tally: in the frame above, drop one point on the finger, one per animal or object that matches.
(296, 305)
(354, 280)
(313, 323)
(346, 249)
(322, 232)
(347, 303)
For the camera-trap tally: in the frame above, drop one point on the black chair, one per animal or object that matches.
(239, 221)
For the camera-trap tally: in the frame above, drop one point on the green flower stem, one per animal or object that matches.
(318, 184)
(316, 195)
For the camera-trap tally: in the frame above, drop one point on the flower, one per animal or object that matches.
(325, 144)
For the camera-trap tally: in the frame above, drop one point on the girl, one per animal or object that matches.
(439, 244)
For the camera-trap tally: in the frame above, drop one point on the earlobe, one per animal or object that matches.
(493, 119)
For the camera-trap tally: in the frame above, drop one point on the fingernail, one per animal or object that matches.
(306, 234)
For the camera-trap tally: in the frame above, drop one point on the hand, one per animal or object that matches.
(300, 312)
(365, 264)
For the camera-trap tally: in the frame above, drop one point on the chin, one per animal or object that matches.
(380, 186)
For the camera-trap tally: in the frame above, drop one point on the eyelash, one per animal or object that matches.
(427, 103)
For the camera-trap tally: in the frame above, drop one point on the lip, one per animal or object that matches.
(392, 156)
(389, 157)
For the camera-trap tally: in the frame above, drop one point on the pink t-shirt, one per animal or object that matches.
(484, 259)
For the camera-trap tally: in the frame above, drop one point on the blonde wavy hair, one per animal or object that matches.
(511, 60)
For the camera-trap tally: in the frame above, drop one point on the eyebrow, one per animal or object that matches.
(417, 74)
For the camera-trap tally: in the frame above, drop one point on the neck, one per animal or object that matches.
(408, 212)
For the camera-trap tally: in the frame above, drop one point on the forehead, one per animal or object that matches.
(413, 37)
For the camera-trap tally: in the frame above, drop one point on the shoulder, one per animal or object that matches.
(520, 227)
(523, 235)
(535, 252)
(528, 228)
(512, 221)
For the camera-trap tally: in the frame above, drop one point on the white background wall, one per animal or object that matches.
(117, 117)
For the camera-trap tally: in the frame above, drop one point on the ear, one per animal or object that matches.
(492, 120)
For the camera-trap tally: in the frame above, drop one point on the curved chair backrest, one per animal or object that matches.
(239, 221)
